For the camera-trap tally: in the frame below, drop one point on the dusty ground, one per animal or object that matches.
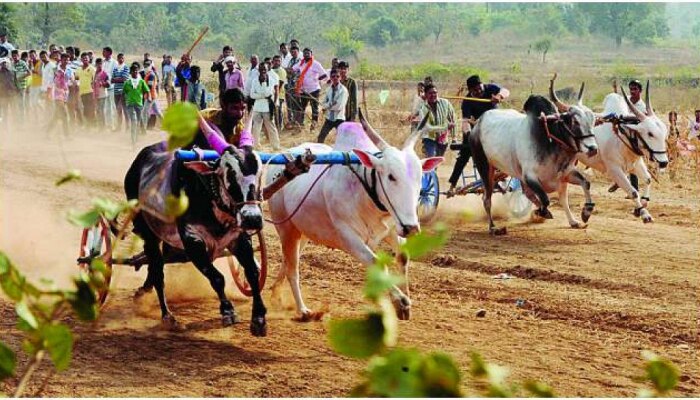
(594, 298)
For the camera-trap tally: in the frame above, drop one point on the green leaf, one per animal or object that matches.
(478, 366)
(58, 340)
(25, 314)
(86, 220)
(176, 206)
(72, 175)
(111, 209)
(396, 374)
(539, 389)
(379, 281)
(8, 362)
(390, 322)
(357, 338)
(422, 243)
(440, 376)
(11, 283)
(182, 123)
(84, 301)
(5, 264)
(661, 372)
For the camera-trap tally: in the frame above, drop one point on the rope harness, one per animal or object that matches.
(562, 144)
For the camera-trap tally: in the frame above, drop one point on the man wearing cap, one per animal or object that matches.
(349, 83)
(233, 77)
(219, 66)
(471, 111)
(308, 87)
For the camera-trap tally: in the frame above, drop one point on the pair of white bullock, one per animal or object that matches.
(355, 208)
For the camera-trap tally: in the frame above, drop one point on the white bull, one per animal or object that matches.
(352, 208)
(622, 145)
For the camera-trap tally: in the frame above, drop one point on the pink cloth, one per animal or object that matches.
(60, 84)
(234, 79)
(246, 138)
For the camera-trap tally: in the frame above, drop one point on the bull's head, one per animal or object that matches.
(579, 119)
(399, 174)
(651, 130)
(237, 192)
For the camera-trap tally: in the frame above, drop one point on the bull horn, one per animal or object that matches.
(650, 111)
(580, 93)
(553, 96)
(631, 106)
(413, 138)
(372, 134)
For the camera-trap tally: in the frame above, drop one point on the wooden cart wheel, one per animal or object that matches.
(96, 242)
(260, 254)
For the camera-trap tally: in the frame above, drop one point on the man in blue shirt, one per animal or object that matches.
(471, 111)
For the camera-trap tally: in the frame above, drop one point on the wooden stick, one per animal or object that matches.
(199, 39)
(467, 98)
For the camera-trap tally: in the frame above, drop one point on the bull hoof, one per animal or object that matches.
(258, 326)
(403, 313)
(647, 219)
(498, 231)
(310, 316)
(170, 323)
(578, 225)
(546, 214)
(229, 319)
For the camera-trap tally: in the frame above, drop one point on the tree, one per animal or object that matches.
(543, 46)
(50, 17)
(383, 31)
(343, 42)
(626, 20)
(7, 19)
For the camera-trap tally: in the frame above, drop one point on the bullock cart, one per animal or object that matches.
(518, 204)
(98, 241)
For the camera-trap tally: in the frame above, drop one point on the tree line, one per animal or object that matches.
(342, 28)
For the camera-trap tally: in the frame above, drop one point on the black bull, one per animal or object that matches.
(207, 227)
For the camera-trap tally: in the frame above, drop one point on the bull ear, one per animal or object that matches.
(431, 163)
(200, 167)
(368, 160)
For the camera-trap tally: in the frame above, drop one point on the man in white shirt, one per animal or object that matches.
(262, 92)
(108, 65)
(285, 55)
(635, 97)
(250, 77)
(334, 105)
(5, 44)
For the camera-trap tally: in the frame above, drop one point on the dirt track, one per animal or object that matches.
(594, 298)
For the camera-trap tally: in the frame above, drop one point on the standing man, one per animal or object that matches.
(311, 73)
(5, 44)
(440, 123)
(262, 92)
(35, 65)
(183, 74)
(219, 67)
(334, 104)
(150, 104)
(85, 75)
(61, 84)
(120, 74)
(100, 85)
(293, 101)
(285, 55)
(135, 90)
(8, 90)
(168, 72)
(250, 78)
(471, 111)
(48, 70)
(108, 65)
(281, 93)
(233, 78)
(21, 71)
(351, 86)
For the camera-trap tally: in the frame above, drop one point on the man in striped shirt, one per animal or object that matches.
(439, 125)
(120, 74)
